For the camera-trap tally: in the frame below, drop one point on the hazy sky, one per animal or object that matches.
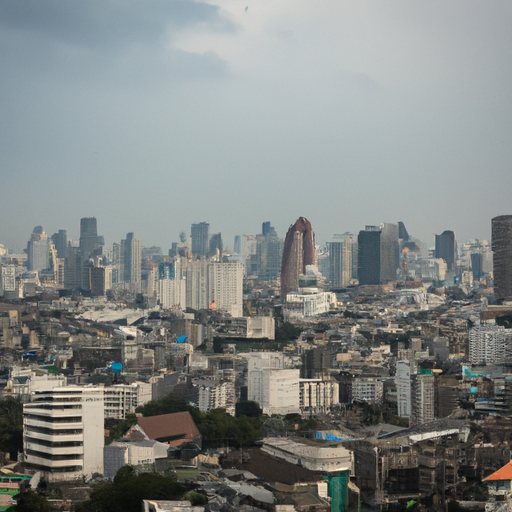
(154, 114)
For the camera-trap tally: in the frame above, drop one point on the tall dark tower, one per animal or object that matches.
(446, 248)
(299, 251)
(369, 255)
(502, 260)
(200, 234)
(88, 236)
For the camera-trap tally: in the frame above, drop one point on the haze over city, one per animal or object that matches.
(151, 116)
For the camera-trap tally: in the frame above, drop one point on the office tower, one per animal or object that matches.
(476, 265)
(446, 248)
(226, 287)
(131, 260)
(269, 249)
(237, 246)
(265, 228)
(88, 236)
(200, 234)
(60, 240)
(369, 266)
(340, 260)
(502, 247)
(215, 245)
(63, 434)
(197, 284)
(389, 255)
(73, 268)
(38, 250)
(422, 398)
(299, 251)
(402, 232)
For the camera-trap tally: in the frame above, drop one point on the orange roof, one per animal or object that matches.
(173, 429)
(504, 473)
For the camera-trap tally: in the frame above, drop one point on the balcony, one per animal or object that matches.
(52, 464)
(50, 450)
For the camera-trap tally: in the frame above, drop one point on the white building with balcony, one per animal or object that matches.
(122, 399)
(317, 396)
(63, 434)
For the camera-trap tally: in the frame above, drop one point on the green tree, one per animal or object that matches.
(11, 426)
(30, 501)
(126, 492)
(287, 331)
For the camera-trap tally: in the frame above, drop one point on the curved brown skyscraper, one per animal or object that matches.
(299, 251)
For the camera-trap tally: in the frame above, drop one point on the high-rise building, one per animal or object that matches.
(299, 251)
(502, 265)
(389, 254)
(369, 266)
(266, 227)
(200, 234)
(63, 434)
(215, 245)
(131, 260)
(340, 260)
(73, 268)
(60, 240)
(88, 236)
(446, 248)
(38, 250)
(269, 248)
(226, 287)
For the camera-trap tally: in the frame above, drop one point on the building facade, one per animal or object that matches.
(63, 434)
(502, 261)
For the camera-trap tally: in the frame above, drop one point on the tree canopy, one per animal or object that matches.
(11, 426)
(126, 492)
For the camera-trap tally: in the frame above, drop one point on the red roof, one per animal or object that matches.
(504, 473)
(173, 429)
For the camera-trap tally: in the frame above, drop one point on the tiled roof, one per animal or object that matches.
(504, 473)
(173, 429)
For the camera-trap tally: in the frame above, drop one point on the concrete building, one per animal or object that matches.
(369, 256)
(367, 389)
(306, 305)
(215, 394)
(489, 344)
(225, 287)
(422, 398)
(269, 249)
(131, 262)
(403, 388)
(320, 456)
(7, 280)
(122, 399)
(143, 455)
(502, 248)
(63, 433)
(275, 390)
(446, 248)
(38, 250)
(200, 235)
(388, 252)
(318, 396)
(340, 260)
(298, 252)
(89, 240)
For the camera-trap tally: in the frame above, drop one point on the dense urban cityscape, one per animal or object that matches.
(368, 372)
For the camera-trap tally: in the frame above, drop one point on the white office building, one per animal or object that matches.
(122, 399)
(403, 388)
(275, 390)
(63, 434)
(303, 306)
(318, 396)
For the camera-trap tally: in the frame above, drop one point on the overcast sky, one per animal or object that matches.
(151, 115)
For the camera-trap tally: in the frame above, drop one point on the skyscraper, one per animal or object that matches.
(340, 260)
(269, 249)
(38, 250)
(88, 236)
(369, 256)
(60, 240)
(131, 260)
(299, 251)
(200, 234)
(215, 245)
(502, 265)
(446, 248)
(389, 255)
